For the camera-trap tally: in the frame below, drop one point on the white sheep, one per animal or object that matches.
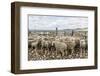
(61, 47)
(83, 45)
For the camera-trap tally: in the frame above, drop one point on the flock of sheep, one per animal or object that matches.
(58, 47)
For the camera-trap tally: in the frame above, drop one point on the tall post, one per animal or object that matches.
(72, 32)
(64, 33)
(56, 31)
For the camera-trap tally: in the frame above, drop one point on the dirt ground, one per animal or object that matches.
(52, 55)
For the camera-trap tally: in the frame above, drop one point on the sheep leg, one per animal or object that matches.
(81, 52)
(66, 53)
(84, 53)
(62, 53)
(72, 52)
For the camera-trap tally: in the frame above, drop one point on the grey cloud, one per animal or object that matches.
(51, 22)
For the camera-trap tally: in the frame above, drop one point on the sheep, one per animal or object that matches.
(34, 45)
(60, 47)
(51, 46)
(29, 44)
(44, 47)
(83, 47)
(39, 44)
(70, 42)
(77, 46)
(73, 44)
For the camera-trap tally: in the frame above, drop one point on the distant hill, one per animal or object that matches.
(64, 30)
(81, 29)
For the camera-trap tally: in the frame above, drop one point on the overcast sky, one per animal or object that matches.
(61, 22)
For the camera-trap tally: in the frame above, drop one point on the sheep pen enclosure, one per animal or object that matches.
(57, 37)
